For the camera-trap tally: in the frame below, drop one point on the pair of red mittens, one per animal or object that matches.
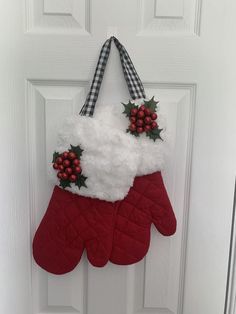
(119, 231)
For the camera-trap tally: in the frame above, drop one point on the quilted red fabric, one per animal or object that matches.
(117, 231)
(71, 224)
(146, 203)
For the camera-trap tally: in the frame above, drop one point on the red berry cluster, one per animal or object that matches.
(142, 120)
(68, 166)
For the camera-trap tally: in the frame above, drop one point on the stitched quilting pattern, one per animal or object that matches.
(119, 232)
(148, 203)
(72, 223)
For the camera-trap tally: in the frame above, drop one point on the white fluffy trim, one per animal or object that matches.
(111, 158)
(151, 153)
(109, 161)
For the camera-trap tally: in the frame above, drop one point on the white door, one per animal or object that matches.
(185, 53)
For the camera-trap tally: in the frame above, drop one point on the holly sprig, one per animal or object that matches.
(74, 153)
(149, 108)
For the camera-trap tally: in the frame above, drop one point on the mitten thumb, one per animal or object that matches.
(162, 213)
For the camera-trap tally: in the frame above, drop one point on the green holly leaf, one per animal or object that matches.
(128, 108)
(154, 134)
(55, 155)
(151, 104)
(77, 150)
(65, 183)
(135, 133)
(81, 181)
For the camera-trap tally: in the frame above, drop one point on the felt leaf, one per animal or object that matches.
(154, 134)
(151, 104)
(135, 133)
(55, 155)
(81, 181)
(65, 183)
(128, 108)
(77, 150)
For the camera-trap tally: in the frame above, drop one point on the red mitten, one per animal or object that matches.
(70, 224)
(146, 202)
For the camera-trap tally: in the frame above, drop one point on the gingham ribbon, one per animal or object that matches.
(134, 83)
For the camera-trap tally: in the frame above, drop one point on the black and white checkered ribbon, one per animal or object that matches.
(134, 83)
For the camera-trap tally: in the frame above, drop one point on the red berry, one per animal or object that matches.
(68, 170)
(59, 175)
(148, 120)
(65, 155)
(59, 160)
(132, 127)
(139, 122)
(76, 162)
(133, 119)
(147, 128)
(72, 155)
(142, 107)
(154, 116)
(73, 178)
(66, 163)
(141, 114)
(55, 166)
(77, 169)
(61, 167)
(153, 125)
(134, 111)
(147, 112)
(140, 130)
(64, 176)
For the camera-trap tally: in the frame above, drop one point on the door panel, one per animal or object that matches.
(58, 16)
(177, 17)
